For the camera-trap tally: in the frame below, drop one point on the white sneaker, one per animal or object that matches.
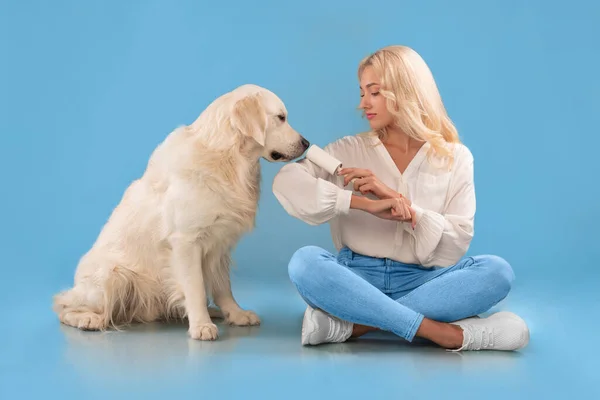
(319, 327)
(500, 331)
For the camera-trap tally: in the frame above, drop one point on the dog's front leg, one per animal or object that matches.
(186, 260)
(234, 314)
(223, 297)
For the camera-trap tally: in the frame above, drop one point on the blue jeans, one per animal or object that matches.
(393, 296)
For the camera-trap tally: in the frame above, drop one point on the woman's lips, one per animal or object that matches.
(371, 116)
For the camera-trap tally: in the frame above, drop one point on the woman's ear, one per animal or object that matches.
(250, 118)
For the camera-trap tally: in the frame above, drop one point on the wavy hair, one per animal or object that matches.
(412, 97)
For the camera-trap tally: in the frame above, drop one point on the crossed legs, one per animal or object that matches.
(440, 296)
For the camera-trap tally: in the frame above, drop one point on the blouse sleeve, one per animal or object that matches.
(306, 192)
(442, 239)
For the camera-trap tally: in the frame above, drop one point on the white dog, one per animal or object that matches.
(167, 246)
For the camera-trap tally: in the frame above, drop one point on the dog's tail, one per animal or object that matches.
(129, 297)
(120, 297)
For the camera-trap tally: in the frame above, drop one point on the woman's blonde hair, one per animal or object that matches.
(412, 97)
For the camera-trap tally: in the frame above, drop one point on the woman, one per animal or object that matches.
(402, 223)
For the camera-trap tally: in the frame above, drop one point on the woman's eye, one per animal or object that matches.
(374, 94)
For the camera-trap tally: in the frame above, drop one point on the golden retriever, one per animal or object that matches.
(166, 248)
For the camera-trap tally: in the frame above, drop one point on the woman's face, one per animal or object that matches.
(373, 102)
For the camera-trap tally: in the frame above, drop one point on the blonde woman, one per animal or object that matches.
(402, 219)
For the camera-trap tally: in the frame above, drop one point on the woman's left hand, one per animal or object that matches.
(367, 182)
(395, 209)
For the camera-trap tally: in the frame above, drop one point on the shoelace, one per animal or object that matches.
(480, 337)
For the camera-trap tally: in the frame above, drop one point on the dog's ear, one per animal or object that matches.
(249, 116)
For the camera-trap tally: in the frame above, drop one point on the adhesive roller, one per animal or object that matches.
(324, 160)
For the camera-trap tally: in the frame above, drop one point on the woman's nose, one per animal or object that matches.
(363, 103)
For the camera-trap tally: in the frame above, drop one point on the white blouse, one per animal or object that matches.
(444, 200)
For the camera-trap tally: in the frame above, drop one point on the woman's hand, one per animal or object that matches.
(394, 209)
(366, 182)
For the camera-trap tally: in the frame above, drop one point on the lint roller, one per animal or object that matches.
(323, 159)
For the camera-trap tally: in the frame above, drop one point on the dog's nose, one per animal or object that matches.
(305, 143)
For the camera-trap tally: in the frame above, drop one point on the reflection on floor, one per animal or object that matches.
(43, 358)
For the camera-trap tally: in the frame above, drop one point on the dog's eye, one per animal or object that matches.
(281, 117)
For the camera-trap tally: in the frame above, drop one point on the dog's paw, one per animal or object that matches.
(243, 318)
(87, 321)
(207, 331)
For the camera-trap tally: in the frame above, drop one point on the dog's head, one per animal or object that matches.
(261, 116)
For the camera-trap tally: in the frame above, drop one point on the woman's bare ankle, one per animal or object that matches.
(448, 336)
(359, 330)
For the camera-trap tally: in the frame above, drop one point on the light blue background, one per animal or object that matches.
(88, 89)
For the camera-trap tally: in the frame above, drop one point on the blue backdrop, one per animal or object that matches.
(88, 89)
